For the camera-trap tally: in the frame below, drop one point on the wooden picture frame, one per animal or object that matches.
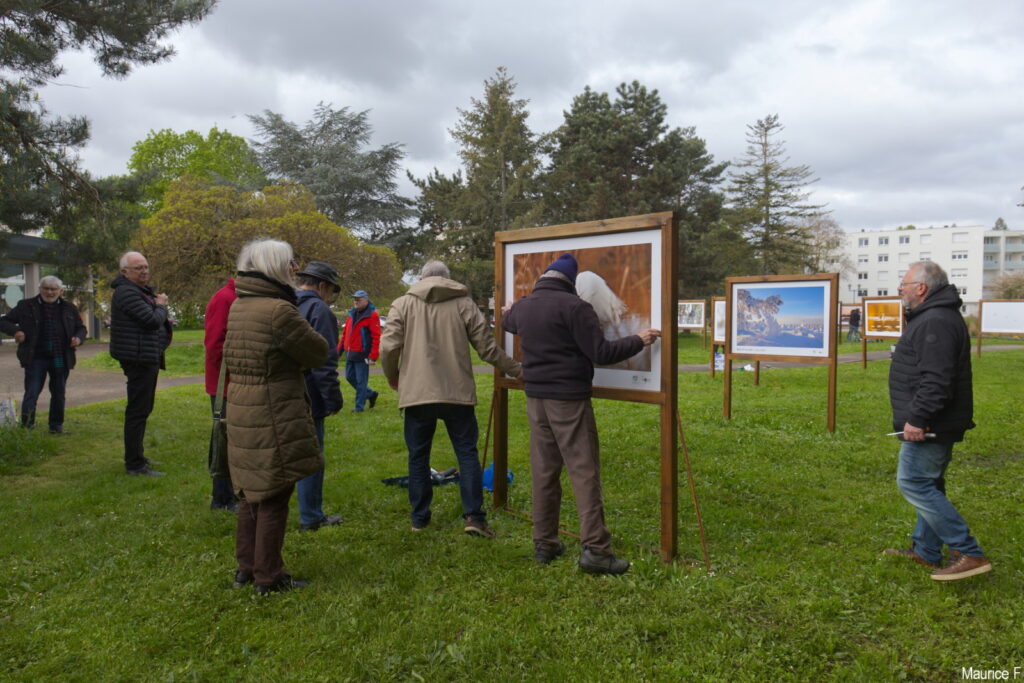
(790, 318)
(999, 317)
(881, 317)
(656, 384)
(691, 314)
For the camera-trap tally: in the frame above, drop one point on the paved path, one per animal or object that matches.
(92, 386)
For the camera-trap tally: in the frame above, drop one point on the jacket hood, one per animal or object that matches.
(946, 297)
(257, 284)
(303, 294)
(437, 289)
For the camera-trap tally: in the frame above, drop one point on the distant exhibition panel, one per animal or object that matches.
(1002, 316)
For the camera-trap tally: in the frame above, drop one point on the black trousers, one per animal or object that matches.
(141, 392)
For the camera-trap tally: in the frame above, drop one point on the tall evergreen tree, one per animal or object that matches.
(771, 201)
(354, 186)
(494, 190)
(39, 173)
(620, 158)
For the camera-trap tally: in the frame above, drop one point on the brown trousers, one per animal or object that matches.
(564, 432)
(260, 537)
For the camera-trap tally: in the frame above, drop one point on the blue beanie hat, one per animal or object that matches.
(566, 265)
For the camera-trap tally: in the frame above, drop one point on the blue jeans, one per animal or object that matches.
(35, 378)
(460, 421)
(921, 479)
(310, 489)
(358, 375)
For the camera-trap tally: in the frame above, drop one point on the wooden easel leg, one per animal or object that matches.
(693, 494)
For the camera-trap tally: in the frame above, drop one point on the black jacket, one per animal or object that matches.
(139, 328)
(27, 317)
(562, 341)
(322, 383)
(930, 377)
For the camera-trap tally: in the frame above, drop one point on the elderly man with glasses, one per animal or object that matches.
(930, 389)
(48, 329)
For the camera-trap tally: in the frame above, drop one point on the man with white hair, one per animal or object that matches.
(140, 330)
(48, 329)
(424, 353)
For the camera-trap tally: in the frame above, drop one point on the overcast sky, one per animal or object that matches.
(908, 111)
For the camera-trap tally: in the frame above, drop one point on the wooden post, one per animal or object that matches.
(863, 352)
(757, 373)
(832, 376)
(500, 447)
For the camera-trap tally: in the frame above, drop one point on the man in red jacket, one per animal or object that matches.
(216, 324)
(361, 342)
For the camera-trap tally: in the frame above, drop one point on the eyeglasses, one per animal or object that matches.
(907, 284)
(139, 268)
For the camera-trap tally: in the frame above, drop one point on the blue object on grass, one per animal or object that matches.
(489, 477)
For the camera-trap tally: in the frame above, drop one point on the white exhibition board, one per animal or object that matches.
(1002, 317)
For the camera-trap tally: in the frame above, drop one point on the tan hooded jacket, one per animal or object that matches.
(425, 344)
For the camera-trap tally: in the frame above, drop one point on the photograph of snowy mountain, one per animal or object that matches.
(781, 318)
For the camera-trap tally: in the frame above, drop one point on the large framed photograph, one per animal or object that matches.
(782, 316)
(690, 314)
(1001, 316)
(718, 314)
(623, 273)
(883, 317)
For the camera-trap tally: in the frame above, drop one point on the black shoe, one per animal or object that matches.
(602, 563)
(230, 507)
(329, 520)
(242, 579)
(144, 471)
(59, 430)
(545, 553)
(373, 399)
(285, 583)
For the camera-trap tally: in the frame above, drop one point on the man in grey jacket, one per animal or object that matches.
(425, 357)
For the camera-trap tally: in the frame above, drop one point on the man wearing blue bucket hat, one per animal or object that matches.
(562, 340)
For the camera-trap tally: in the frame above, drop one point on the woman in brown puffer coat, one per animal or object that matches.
(271, 439)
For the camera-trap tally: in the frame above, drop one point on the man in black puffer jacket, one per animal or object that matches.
(562, 340)
(932, 406)
(140, 330)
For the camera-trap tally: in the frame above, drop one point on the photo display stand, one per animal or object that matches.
(635, 258)
(692, 315)
(718, 315)
(998, 317)
(787, 318)
(881, 317)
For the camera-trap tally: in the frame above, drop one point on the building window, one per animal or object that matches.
(991, 240)
(959, 255)
(926, 239)
(883, 292)
(925, 256)
(960, 236)
(904, 239)
(905, 257)
(882, 241)
(963, 291)
(862, 292)
(990, 257)
(862, 276)
(862, 242)
(863, 258)
(959, 273)
(883, 258)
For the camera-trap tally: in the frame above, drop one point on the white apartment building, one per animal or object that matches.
(972, 255)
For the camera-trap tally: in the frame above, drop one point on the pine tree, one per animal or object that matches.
(770, 201)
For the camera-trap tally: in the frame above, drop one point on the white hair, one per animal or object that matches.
(271, 258)
(435, 269)
(51, 281)
(243, 263)
(931, 274)
(123, 263)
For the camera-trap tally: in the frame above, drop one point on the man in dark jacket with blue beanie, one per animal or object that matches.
(318, 283)
(562, 340)
(140, 331)
(930, 389)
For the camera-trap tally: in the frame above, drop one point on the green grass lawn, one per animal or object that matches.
(114, 578)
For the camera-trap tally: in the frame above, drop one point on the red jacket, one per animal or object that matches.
(361, 336)
(216, 324)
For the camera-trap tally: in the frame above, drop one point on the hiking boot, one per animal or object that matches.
(242, 579)
(285, 583)
(910, 555)
(961, 567)
(594, 562)
(545, 553)
(145, 472)
(478, 527)
(329, 520)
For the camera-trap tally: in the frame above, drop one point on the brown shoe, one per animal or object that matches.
(478, 527)
(910, 555)
(962, 567)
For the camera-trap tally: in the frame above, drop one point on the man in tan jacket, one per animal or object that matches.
(424, 353)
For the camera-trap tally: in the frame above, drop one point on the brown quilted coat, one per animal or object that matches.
(271, 439)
